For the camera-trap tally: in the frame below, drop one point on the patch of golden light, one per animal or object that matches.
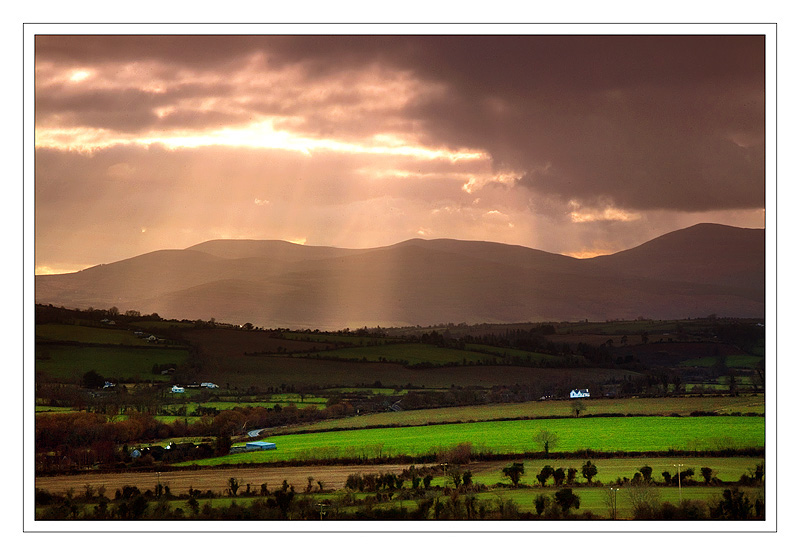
(476, 183)
(80, 75)
(164, 111)
(608, 214)
(259, 135)
(587, 253)
(44, 270)
(298, 241)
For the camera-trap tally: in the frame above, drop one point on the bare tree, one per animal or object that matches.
(577, 407)
(644, 499)
(547, 440)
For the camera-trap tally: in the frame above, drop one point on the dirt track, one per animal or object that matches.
(179, 481)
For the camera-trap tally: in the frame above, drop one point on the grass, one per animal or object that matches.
(593, 499)
(71, 362)
(504, 352)
(227, 405)
(274, 371)
(410, 353)
(85, 334)
(731, 361)
(367, 390)
(44, 408)
(338, 339)
(600, 434)
(656, 406)
(596, 500)
(728, 469)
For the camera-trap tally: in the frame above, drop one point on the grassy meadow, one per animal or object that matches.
(65, 362)
(664, 406)
(613, 434)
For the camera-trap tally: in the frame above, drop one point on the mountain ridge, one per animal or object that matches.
(692, 272)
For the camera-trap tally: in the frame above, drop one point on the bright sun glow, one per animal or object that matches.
(257, 135)
(80, 75)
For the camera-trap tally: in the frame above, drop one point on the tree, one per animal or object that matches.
(734, 505)
(283, 498)
(732, 388)
(547, 440)
(233, 484)
(93, 380)
(644, 499)
(577, 407)
(647, 473)
(514, 472)
(567, 500)
(223, 446)
(559, 475)
(707, 474)
(571, 473)
(545, 474)
(540, 503)
(589, 471)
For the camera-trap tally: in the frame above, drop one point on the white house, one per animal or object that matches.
(177, 389)
(209, 385)
(578, 393)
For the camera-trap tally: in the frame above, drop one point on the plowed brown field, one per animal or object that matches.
(179, 481)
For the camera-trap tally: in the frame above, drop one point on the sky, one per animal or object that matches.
(580, 145)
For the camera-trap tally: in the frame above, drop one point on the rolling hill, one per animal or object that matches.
(692, 272)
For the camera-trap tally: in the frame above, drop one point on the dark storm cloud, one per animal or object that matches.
(638, 122)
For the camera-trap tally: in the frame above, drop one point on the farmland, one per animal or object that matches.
(636, 434)
(67, 363)
(473, 398)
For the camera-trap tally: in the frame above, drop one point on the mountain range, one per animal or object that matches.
(693, 272)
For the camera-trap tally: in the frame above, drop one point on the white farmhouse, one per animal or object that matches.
(177, 389)
(578, 393)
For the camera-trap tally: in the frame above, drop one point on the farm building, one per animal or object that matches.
(209, 385)
(259, 446)
(578, 393)
(177, 389)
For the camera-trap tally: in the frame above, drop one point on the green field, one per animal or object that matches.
(71, 362)
(60, 410)
(727, 469)
(513, 353)
(410, 353)
(355, 340)
(665, 406)
(731, 361)
(85, 334)
(317, 402)
(600, 434)
(265, 371)
(592, 499)
(596, 499)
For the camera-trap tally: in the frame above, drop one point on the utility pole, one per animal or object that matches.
(614, 503)
(680, 493)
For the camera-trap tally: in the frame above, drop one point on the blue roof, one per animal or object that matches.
(259, 443)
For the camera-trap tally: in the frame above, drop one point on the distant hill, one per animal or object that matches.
(693, 272)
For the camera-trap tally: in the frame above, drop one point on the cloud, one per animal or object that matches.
(566, 143)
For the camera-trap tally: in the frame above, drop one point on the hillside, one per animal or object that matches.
(688, 273)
